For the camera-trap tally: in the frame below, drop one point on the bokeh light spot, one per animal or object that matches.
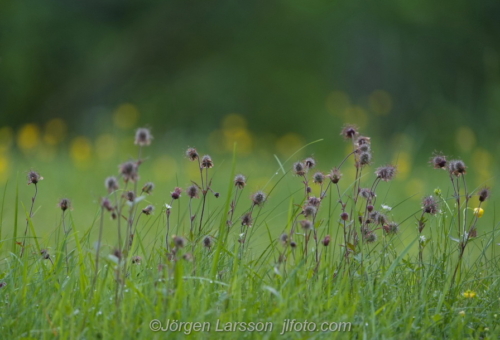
(482, 161)
(403, 162)
(164, 169)
(380, 102)
(465, 138)
(28, 137)
(46, 153)
(415, 187)
(356, 115)
(55, 131)
(289, 144)
(337, 103)
(6, 136)
(81, 150)
(126, 116)
(105, 146)
(4, 169)
(234, 121)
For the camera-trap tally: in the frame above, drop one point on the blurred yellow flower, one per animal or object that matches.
(105, 146)
(5, 138)
(380, 102)
(126, 116)
(465, 138)
(469, 294)
(81, 150)
(55, 131)
(28, 137)
(165, 169)
(337, 103)
(289, 144)
(478, 212)
(4, 169)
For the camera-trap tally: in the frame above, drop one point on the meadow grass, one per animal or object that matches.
(221, 262)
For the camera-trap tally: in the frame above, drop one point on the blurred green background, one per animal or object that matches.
(77, 78)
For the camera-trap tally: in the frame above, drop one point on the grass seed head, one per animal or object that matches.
(306, 225)
(299, 168)
(386, 173)
(129, 171)
(326, 240)
(143, 137)
(259, 198)
(310, 163)
(429, 205)
(335, 175)
(309, 210)
(439, 161)
(148, 210)
(148, 188)
(349, 131)
(240, 181)
(192, 154)
(318, 177)
(457, 168)
(208, 242)
(192, 191)
(483, 194)
(34, 177)
(206, 162)
(64, 204)
(176, 194)
(111, 184)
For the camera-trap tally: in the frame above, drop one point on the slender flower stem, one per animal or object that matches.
(27, 220)
(65, 241)
(119, 221)
(97, 252)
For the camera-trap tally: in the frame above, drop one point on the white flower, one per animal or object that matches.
(168, 206)
(422, 239)
(386, 207)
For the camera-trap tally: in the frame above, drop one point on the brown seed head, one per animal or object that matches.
(34, 177)
(457, 168)
(148, 210)
(306, 224)
(240, 181)
(483, 194)
(429, 205)
(64, 204)
(192, 191)
(129, 171)
(206, 162)
(192, 154)
(318, 177)
(386, 173)
(310, 162)
(111, 184)
(299, 168)
(438, 161)
(259, 198)
(326, 240)
(349, 131)
(143, 137)
(148, 188)
(335, 175)
(176, 194)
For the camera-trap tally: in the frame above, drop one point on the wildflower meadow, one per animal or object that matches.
(313, 249)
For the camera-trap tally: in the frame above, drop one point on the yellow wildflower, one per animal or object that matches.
(469, 294)
(478, 212)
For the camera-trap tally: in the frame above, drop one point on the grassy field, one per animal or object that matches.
(361, 250)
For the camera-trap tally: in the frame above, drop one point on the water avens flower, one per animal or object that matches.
(386, 173)
(143, 137)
